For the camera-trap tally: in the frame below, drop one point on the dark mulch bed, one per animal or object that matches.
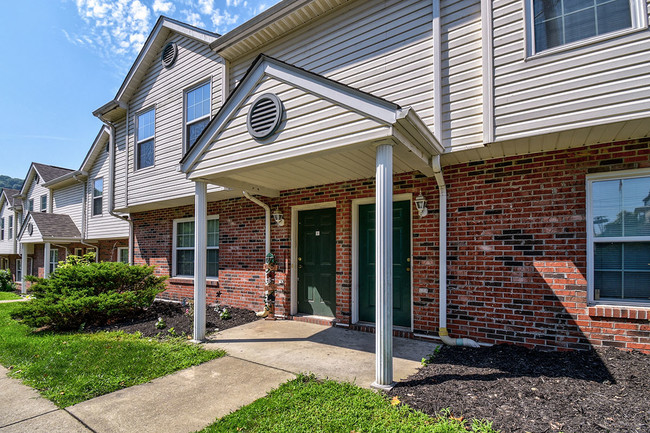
(175, 317)
(522, 390)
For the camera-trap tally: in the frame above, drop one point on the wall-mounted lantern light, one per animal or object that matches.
(278, 217)
(421, 205)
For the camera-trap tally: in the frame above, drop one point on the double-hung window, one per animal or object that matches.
(184, 247)
(123, 255)
(11, 227)
(44, 203)
(553, 23)
(618, 219)
(19, 269)
(30, 205)
(98, 193)
(146, 130)
(2, 229)
(197, 112)
(54, 259)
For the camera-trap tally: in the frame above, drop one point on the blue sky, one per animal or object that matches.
(63, 59)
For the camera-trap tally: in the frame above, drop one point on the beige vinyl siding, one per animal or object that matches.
(7, 245)
(120, 164)
(462, 73)
(164, 89)
(381, 47)
(36, 190)
(312, 124)
(598, 83)
(35, 237)
(68, 201)
(104, 226)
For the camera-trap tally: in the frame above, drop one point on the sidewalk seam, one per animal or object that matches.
(27, 419)
(262, 365)
(79, 419)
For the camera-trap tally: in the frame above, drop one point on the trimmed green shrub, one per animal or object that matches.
(81, 292)
(6, 283)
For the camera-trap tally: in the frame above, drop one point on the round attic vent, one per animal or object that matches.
(265, 116)
(169, 54)
(30, 229)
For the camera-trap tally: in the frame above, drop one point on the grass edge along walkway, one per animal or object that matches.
(9, 296)
(68, 368)
(309, 405)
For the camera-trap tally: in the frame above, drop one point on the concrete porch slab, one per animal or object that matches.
(328, 352)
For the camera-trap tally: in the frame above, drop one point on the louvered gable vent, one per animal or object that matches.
(265, 116)
(169, 54)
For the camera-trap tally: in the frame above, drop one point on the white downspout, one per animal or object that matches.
(442, 257)
(266, 207)
(111, 185)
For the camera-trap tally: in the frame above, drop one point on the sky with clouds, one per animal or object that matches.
(64, 59)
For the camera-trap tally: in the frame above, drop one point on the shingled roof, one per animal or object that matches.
(50, 172)
(11, 196)
(55, 226)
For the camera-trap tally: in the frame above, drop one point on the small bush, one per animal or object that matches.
(6, 283)
(82, 292)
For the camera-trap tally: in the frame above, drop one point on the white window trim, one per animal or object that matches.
(10, 227)
(53, 264)
(43, 209)
(101, 197)
(4, 263)
(174, 231)
(2, 229)
(639, 23)
(30, 205)
(119, 250)
(185, 122)
(137, 140)
(19, 269)
(591, 239)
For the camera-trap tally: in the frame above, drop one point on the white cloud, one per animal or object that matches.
(192, 18)
(224, 18)
(163, 7)
(206, 6)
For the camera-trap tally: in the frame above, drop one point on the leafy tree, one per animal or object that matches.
(10, 182)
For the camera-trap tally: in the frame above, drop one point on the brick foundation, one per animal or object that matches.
(516, 250)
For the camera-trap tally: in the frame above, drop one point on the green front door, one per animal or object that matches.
(317, 262)
(401, 263)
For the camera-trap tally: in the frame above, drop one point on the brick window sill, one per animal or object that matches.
(190, 281)
(620, 312)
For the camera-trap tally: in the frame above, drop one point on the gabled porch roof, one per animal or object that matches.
(48, 227)
(328, 134)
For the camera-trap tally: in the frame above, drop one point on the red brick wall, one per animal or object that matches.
(516, 249)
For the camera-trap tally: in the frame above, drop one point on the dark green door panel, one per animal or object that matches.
(317, 262)
(401, 263)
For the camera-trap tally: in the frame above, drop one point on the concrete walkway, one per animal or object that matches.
(262, 356)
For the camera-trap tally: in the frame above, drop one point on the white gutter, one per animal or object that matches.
(268, 221)
(442, 258)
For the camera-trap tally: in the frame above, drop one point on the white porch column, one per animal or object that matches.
(23, 269)
(200, 257)
(384, 267)
(46, 260)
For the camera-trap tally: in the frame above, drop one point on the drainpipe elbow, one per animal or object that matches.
(466, 342)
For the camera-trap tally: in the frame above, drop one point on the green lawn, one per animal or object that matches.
(308, 405)
(7, 296)
(73, 367)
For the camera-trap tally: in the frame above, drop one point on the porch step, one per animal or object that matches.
(316, 320)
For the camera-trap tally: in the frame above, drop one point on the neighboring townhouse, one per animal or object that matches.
(67, 212)
(509, 137)
(10, 214)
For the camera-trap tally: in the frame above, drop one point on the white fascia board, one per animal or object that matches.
(339, 94)
(172, 25)
(272, 14)
(100, 140)
(429, 139)
(64, 180)
(28, 180)
(382, 111)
